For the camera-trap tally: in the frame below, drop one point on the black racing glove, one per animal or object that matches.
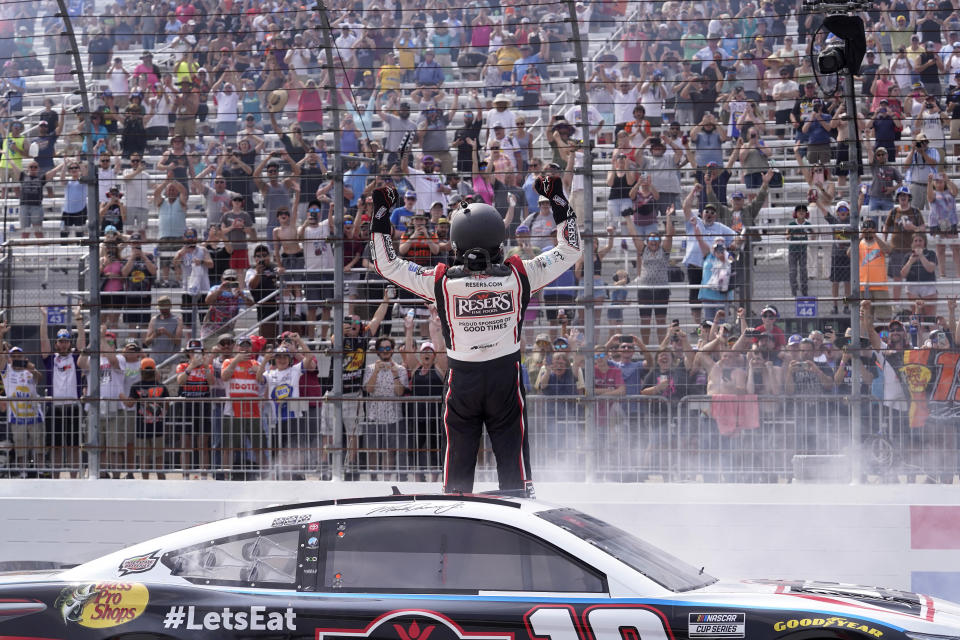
(552, 189)
(384, 201)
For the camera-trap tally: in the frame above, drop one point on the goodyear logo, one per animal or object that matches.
(803, 623)
(484, 304)
(103, 605)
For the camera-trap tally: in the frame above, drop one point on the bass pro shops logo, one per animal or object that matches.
(484, 304)
(409, 625)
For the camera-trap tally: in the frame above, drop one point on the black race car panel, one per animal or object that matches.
(436, 568)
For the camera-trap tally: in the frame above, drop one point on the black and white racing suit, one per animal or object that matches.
(482, 318)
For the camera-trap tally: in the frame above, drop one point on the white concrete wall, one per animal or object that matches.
(829, 532)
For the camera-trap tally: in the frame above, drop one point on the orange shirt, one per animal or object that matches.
(243, 384)
(873, 267)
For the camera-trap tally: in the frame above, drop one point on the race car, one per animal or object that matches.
(436, 567)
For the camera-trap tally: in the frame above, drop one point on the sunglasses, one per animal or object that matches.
(385, 348)
(313, 210)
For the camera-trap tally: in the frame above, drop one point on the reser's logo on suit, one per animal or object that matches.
(483, 304)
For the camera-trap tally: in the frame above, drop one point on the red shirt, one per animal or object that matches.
(612, 379)
(779, 339)
(185, 13)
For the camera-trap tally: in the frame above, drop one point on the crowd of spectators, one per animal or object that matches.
(212, 152)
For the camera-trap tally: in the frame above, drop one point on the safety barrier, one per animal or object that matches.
(752, 439)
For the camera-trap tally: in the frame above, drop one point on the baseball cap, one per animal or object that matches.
(543, 199)
(443, 221)
(63, 334)
(281, 351)
(16, 350)
(428, 346)
(436, 203)
(190, 233)
(243, 339)
(795, 339)
(868, 223)
(542, 337)
(843, 204)
(770, 309)
(164, 301)
(109, 229)
(710, 205)
(148, 363)
(737, 194)
(523, 229)
(427, 160)
(410, 194)
(195, 345)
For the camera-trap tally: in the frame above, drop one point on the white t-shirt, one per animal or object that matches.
(107, 178)
(426, 185)
(111, 384)
(506, 118)
(21, 385)
(300, 61)
(623, 104)
(593, 119)
(160, 112)
(136, 191)
(64, 376)
(227, 106)
(785, 88)
(199, 282)
(345, 44)
(283, 387)
(317, 252)
(131, 376)
(117, 78)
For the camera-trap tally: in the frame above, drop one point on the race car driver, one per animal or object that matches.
(481, 299)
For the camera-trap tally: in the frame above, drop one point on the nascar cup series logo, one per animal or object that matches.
(483, 304)
(103, 605)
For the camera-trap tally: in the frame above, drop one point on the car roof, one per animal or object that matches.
(497, 498)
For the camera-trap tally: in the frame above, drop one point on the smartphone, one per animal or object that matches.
(391, 291)
(626, 340)
(675, 323)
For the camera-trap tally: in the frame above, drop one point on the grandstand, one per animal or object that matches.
(280, 52)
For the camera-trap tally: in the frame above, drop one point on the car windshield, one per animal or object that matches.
(661, 567)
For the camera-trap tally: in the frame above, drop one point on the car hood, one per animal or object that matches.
(36, 575)
(902, 609)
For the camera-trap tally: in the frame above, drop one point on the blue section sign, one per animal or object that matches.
(56, 315)
(806, 307)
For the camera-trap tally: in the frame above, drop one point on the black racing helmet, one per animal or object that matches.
(477, 234)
